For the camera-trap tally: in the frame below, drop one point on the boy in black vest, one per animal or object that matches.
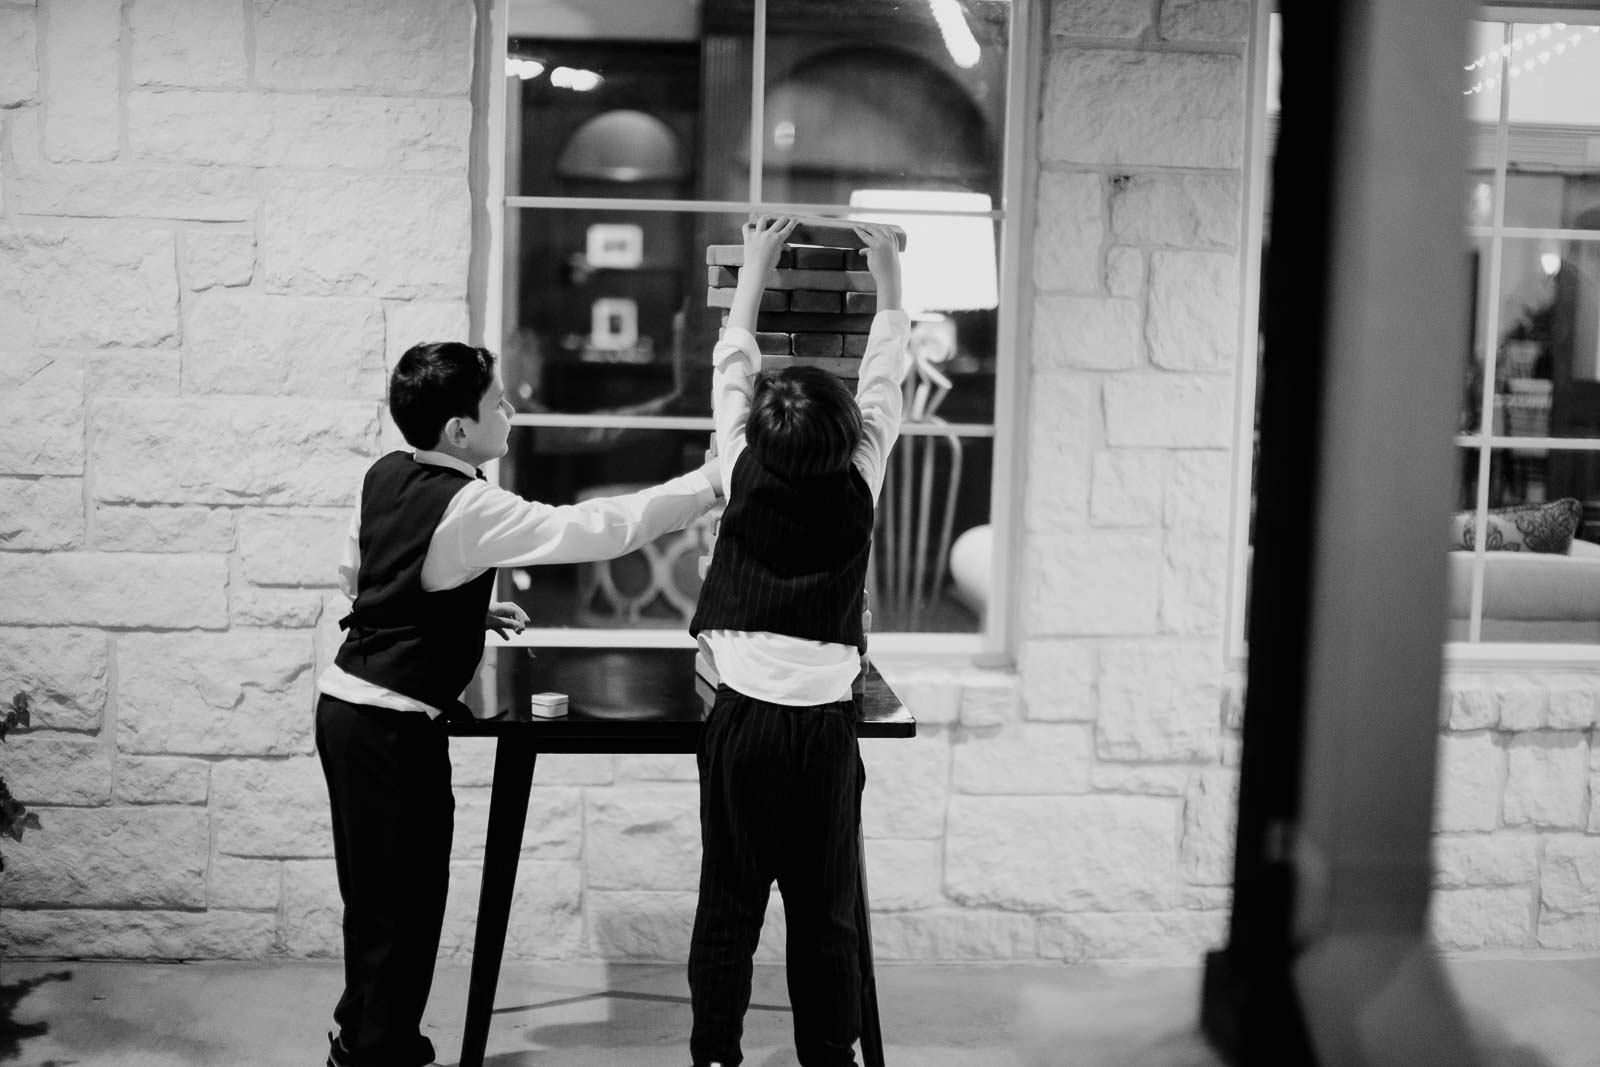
(780, 616)
(419, 563)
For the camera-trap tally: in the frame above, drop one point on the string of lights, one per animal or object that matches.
(1511, 54)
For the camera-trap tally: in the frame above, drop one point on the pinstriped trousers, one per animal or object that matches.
(780, 800)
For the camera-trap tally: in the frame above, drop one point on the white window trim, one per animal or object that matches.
(994, 643)
(1471, 654)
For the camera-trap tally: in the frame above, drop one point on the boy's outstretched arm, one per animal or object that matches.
(764, 238)
(884, 366)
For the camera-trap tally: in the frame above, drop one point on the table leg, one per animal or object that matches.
(508, 812)
(871, 1028)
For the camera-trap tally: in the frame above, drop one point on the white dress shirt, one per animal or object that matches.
(773, 667)
(486, 526)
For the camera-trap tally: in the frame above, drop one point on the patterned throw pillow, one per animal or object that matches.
(1524, 528)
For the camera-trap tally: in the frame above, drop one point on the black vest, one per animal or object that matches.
(420, 644)
(791, 556)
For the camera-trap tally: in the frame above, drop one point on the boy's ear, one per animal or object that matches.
(455, 431)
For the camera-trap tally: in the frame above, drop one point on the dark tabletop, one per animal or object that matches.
(635, 700)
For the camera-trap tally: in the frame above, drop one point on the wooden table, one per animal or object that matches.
(621, 700)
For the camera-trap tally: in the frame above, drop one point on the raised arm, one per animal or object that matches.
(764, 238)
(736, 359)
(884, 365)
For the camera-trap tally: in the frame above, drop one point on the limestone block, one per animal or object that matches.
(1060, 427)
(1142, 779)
(271, 808)
(1160, 109)
(1524, 702)
(553, 830)
(1471, 771)
(636, 925)
(931, 699)
(290, 130)
(90, 286)
(667, 767)
(42, 414)
(1025, 757)
(546, 912)
(1193, 316)
(1099, 18)
(1197, 498)
(988, 698)
(395, 46)
(1570, 879)
(284, 346)
(40, 769)
(1125, 488)
(1159, 702)
(138, 935)
(121, 372)
(1569, 932)
(908, 786)
(19, 57)
(62, 671)
(1194, 587)
(1070, 228)
(276, 608)
(158, 528)
(188, 42)
(773, 944)
(234, 450)
(312, 912)
(1472, 706)
(904, 875)
(1154, 937)
(110, 857)
(81, 70)
(161, 780)
(1571, 702)
(1088, 853)
(1547, 780)
(1205, 20)
(280, 546)
(1094, 583)
(567, 768)
(471, 758)
(1177, 210)
(1468, 860)
(1058, 680)
(245, 884)
(1497, 917)
(240, 693)
(1125, 272)
(953, 934)
(41, 514)
(218, 257)
(114, 589)
(1165, 410)
(1209, 818)
(1233, 698)
(643, 837)
(1594, 790)
(1086, 333)
(415, 322)
(348, 235)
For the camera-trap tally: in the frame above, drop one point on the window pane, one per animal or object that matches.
(1553, 177)
(903, 93)
(1548, 378)
(615, 100)
(930, 562)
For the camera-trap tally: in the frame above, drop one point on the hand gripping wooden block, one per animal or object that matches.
(836, 233)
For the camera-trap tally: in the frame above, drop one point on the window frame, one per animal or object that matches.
(993, 644)
(1472, 652)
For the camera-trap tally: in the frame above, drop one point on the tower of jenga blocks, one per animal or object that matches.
(816, 310)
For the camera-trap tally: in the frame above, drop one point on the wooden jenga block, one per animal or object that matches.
(706, 692)
(855, 344)
(701, 565)
(819, 301)
(817, 344)
(704, 669)
(832, 280)
(721, 276)
(835, 233)
(771, 299)
(733, 256)
(861, 303)
(772, 344)
(808, 258)
(849, 369)
(801, 322)
(856, 259)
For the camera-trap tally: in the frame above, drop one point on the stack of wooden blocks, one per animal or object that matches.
(816, 310)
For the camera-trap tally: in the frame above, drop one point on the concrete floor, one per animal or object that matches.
(1533, 1013)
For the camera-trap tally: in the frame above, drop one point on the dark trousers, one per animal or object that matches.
(388, 778)
(780, 799)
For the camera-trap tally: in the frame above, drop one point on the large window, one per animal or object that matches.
(637, 135)
(1524, 546)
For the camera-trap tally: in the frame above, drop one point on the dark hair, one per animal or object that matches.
(803, 422)
(434, 383)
